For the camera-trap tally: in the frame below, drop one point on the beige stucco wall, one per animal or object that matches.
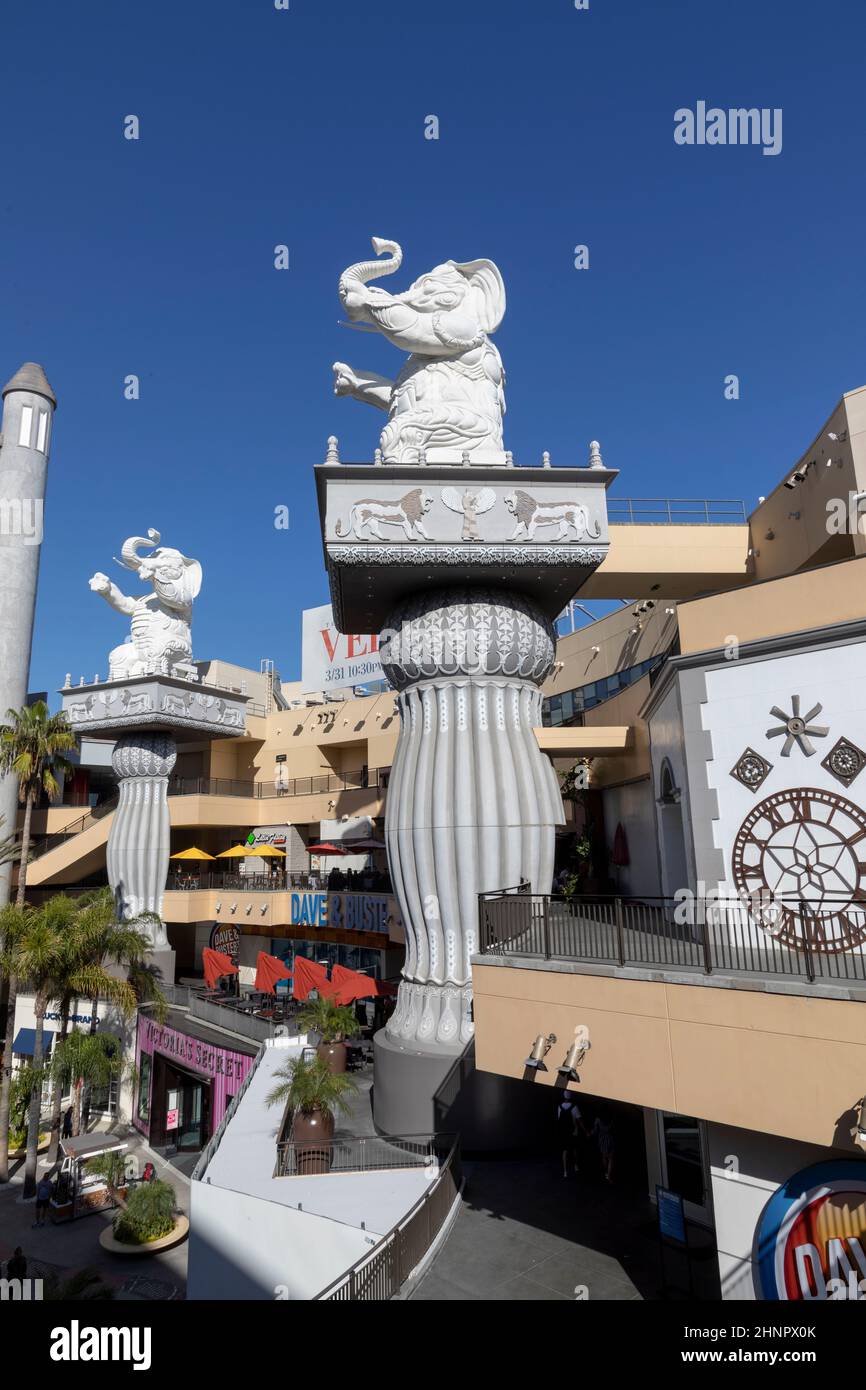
(814, 599)
(778, 1063)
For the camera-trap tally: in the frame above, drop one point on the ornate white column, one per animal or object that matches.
(472, 802)
(140, 836)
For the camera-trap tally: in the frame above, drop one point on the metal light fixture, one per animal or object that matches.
(540, 1049)
(576, 1053)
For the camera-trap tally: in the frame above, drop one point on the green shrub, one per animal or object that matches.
(148, 1215)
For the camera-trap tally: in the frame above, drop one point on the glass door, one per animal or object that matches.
(685, 1170)
(189, 1135)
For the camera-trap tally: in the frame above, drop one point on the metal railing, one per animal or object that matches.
(685, 511)
(375, 779)
(778, 937)
(380, 1275)
(372, 779)
(367, 1154)
(271, 883)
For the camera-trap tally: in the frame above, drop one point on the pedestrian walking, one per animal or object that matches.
(43, 1197)
(568, 1124)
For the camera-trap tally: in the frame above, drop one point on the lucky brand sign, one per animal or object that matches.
(811, 1239)
(332, 660)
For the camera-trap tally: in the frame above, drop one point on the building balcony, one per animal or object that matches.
(683, 1016)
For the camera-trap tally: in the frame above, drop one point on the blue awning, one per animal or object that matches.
(25, 1041)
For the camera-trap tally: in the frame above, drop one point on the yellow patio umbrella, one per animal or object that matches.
(267, 852)
(236, 852)
(193, 854)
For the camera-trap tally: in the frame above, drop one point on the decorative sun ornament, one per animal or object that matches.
(797, 728)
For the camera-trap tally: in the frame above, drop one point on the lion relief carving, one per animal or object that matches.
(369, 514)
(530, 514)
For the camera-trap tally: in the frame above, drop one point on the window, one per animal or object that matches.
(144, 1067)
(42, 432)
(25, 429)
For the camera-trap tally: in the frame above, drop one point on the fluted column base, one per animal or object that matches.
(139, 841)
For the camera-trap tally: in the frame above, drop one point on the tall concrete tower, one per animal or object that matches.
(28, 410)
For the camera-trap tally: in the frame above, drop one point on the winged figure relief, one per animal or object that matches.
(470, 503)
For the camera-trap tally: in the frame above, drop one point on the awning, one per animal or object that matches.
(25, 1041)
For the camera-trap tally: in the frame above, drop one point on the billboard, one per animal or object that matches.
(332, 660)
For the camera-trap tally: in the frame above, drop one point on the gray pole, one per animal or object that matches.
(28, 410)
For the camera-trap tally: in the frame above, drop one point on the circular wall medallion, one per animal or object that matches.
(812, 1232)
(805, 849)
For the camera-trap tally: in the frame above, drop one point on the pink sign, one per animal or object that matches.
(171, 1120)
(224, 1067)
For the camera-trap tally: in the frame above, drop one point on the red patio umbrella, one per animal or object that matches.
(216, 964)
(620, 847)
(269, 969)
(325, 849)
(309, 975)
(352, 985)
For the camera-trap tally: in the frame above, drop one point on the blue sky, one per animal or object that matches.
(306, 127)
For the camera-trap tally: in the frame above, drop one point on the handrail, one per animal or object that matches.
(683, 511)
(356, 1154)
(780, 936)
(380, 1275)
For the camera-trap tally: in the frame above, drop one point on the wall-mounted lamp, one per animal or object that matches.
(576, 1053)
(837, 438)
(233, 908)
(540, 1049)
(218, 906)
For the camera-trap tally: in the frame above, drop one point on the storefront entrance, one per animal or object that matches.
(180, 1107)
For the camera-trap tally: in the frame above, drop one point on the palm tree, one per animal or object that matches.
(55, 963)
(32, 748)
(311, 1087)
(334, 1022)
(92, 1058)
(99, 939)
(14, 922)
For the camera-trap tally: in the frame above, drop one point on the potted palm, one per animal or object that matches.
(334, 1023)
(312, 1093)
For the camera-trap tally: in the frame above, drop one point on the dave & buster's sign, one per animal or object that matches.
(811, 1239)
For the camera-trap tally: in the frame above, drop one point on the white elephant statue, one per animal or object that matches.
(449, 399)
(161, 633)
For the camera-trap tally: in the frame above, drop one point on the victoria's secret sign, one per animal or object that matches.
(191, 1052)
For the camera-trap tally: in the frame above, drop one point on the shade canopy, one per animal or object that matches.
(309, 975)
(25, 1041)
(363, 846)
(326, 849)
(269, 969)
(193, 853)
(216, 964)
(350, 985)
(236, 852)
(267, 852)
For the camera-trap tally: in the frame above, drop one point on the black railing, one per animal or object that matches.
(368, 1154)
(778, 937)
(374, 779)
(381, 1274)
(278, 882)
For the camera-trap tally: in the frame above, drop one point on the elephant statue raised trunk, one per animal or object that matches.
(449, 399)
(161, 629)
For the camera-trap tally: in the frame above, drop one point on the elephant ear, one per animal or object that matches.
(485, 279)
(193, 576)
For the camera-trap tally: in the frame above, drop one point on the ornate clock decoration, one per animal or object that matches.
(797, 728)
(802, 854)
(845, 761)
(751, 769)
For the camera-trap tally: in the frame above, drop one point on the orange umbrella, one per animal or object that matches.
(216, 964)
(269, 969)
(352, 985)
(309, 975)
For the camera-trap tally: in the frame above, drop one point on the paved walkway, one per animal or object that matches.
(74, 1245)
(526, 1233)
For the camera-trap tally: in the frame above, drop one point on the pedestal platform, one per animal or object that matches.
(148, 716)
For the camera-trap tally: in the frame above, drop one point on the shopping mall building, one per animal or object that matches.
(717, 725)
